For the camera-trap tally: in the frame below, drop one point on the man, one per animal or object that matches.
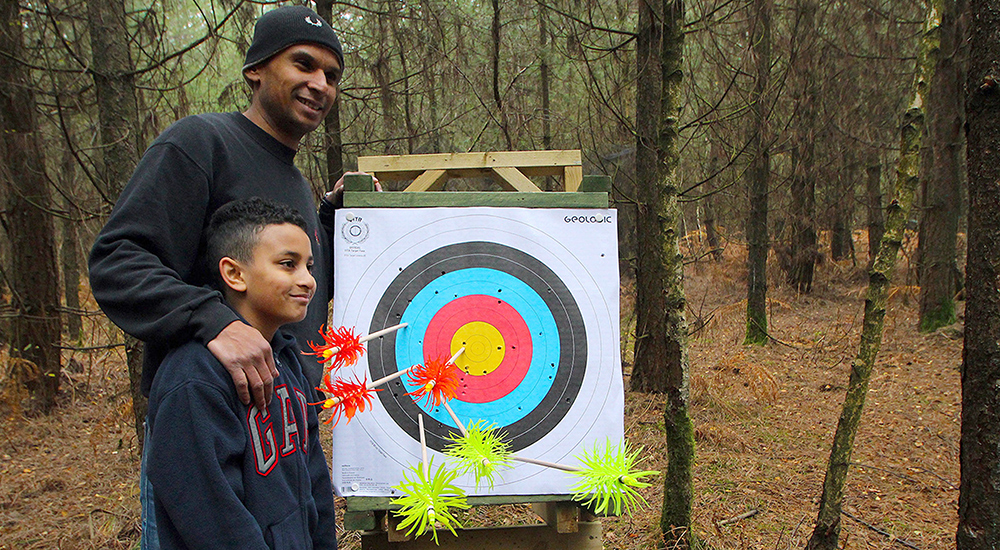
(145, 267)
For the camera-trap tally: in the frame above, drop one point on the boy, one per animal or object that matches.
(225, 474)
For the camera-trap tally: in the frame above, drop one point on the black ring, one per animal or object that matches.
(554, 293)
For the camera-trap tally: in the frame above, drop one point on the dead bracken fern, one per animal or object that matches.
(905, 293)
(731, 316)
(732, 380)
(14, 377)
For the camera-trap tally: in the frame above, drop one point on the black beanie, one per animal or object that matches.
(288, 25)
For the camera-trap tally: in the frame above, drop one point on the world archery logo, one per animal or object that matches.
(354, 230)
(316, 23)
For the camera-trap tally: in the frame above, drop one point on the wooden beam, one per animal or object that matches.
(513, 179)
(393, 533)
(572, 177)
(595, 184)
(358, 182)
(531, 163)
(564, 517)
(431, 180)
(385, 503)
(357, 199)
(360, 520)
(522, 537)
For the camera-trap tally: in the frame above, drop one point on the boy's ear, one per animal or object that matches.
(232, 274)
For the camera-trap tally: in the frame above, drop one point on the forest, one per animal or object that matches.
(808, 239)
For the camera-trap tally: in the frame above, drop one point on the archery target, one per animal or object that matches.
(532, 298)
(525, 340)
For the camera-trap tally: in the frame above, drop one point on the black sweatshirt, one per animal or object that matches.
(228, 476)
(147, 269)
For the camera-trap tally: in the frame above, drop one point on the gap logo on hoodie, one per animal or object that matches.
(290, 435)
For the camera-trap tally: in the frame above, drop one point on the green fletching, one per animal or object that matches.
(609, 480)
(429, 501)
(481, 451)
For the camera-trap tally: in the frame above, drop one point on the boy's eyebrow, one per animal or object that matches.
(295, 255)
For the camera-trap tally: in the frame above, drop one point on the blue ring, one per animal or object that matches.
(502, 286)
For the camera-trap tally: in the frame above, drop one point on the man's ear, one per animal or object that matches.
(252, 76)
(232, 274)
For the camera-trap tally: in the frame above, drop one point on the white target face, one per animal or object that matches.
(532, 297)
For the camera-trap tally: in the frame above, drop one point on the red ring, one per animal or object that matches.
(502, 316)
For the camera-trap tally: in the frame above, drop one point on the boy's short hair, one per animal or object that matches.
(234, 228)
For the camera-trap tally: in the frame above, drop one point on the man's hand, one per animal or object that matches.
(248, 358)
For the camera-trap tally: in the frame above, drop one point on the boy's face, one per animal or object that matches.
(279, 281)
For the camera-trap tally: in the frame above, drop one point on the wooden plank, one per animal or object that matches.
(400, 167)
(356, 199)
(360, 520)
(431, 180)
(595, 184)
(573, 177)
(515, 180)
(523, 537)
(393, 533)
(561, 516)
(385, 503)
(358, 182)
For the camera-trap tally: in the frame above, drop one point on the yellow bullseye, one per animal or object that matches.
(484, 348)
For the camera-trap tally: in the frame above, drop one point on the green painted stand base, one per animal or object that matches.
(524, 537)
(567, 526)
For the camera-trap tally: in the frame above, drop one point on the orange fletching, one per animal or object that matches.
(341, 345)
(348, 399)
(437, 381)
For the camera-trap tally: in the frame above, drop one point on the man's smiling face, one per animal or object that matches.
(294, 90)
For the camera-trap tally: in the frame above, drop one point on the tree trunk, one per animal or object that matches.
(979, 493)
(803, 185)
(662, 347)
(827, 531)
(942, 194)
(432, 33)
(495, 60)
(841, 241)
(118, 112)
(678, 482)
(708, 201)
(404, 49)
(876, 211)
(648, 375)
(758, 175)
(543, 40)
(69, 252)
(34, 285)
(382, 72)
(334, 141)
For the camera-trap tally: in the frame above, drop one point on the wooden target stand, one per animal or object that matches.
(567, 526)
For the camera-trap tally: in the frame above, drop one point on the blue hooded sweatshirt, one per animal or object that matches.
(227, 475)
